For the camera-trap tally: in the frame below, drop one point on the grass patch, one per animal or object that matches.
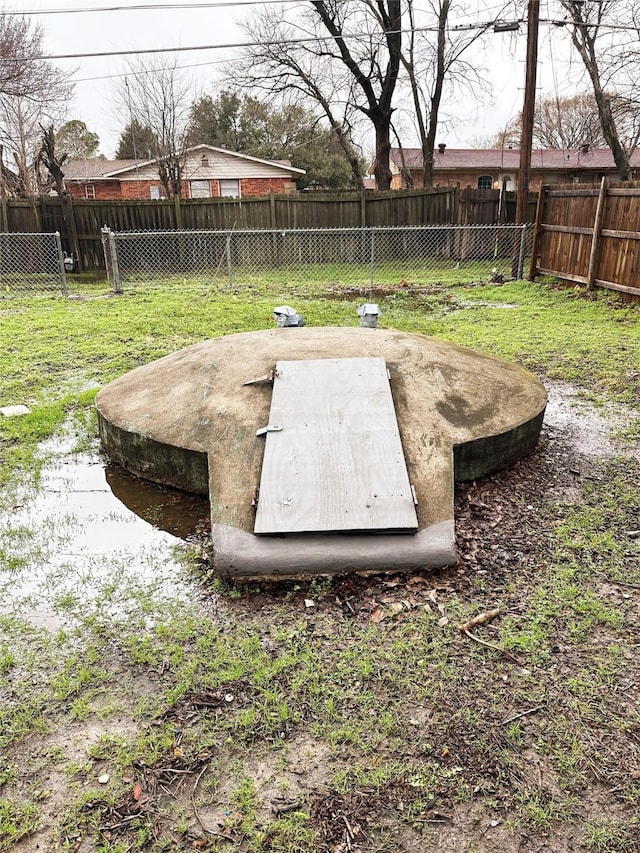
(209, 712)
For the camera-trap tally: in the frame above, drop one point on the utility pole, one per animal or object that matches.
(528, 109)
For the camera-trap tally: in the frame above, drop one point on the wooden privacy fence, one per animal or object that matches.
(590, 236)
(80, 222)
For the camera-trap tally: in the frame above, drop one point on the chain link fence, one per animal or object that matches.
(363, 258)
(31, 264)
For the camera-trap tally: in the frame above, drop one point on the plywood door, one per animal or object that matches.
(337, 464)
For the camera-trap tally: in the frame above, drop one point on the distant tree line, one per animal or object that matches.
(318, 77)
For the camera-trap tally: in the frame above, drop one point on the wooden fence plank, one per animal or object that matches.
(594, 256)
(80, 226)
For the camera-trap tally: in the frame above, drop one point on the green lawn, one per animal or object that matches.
(220, 717)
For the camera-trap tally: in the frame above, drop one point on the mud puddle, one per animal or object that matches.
(93, 539)
(590, 429)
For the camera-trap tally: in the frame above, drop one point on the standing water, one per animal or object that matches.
(93, 539)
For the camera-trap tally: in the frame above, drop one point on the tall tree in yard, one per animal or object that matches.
(157, 94)
(434, 58)
(136, 142)
(273, 131)
(33, 92)
(77, 141)
(611, 61)
(341, 55)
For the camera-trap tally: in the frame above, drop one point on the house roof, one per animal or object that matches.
(94, 169)
(97, 169)
(507, 159)
(278, 164)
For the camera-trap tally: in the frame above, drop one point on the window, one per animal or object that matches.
(154, 193)
(200, 189)
(89, 191)
(229, 188)
(485, 182)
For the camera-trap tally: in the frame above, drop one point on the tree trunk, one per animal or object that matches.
(584, 41)
(436, 97)
(382, 168)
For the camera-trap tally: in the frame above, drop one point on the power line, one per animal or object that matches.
(144, 7)
(289, 41)
(227, 46)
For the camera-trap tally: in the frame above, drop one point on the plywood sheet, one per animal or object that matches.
(337, 464)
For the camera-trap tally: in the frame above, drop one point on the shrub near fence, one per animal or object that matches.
(356, 257)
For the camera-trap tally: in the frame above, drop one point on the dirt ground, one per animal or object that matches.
(504, 526)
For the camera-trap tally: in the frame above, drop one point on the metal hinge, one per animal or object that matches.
(269, 428)
(263, 380)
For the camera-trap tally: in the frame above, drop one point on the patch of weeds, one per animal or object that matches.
(612, 836)
(20, 720)
(243, 805)
(80, 671)
(377, 774)
(7, 659)
(81, 709)
(17, 820)
(290, 833)
(83, 817)
(542, 811)
(7, 774)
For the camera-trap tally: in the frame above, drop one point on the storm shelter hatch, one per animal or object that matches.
(333, 459)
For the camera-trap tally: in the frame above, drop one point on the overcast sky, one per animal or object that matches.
(124, 28)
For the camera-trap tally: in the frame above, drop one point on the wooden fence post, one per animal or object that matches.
(37, 219)
(70, 214)
(178, 212)
(363, 208)
(596, 240)
(542, 195)
(272, 209)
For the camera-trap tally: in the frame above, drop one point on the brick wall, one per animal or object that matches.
(102, 190)
(469, 178)
(131, 190)
(262, 186)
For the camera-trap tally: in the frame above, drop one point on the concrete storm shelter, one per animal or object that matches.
(323, 450)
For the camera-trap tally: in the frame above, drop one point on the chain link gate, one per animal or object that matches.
(361, 258)
(31, 264)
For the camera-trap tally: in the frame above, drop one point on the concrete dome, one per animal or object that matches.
(188, 420)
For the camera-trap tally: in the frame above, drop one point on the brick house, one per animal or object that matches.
(208, 172)
(487, 168)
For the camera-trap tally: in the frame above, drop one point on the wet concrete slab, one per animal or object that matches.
(190, 420)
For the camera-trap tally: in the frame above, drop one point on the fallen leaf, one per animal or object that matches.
(378, 615)
(137, 791)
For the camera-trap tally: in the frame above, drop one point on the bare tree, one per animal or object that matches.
(157, 94)
(21, 119)
(558, 123)
(50, 160)
(343, 55)
(432, 64)
(22, 71)
(298, 75)
(33, 92)
(587, 20)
